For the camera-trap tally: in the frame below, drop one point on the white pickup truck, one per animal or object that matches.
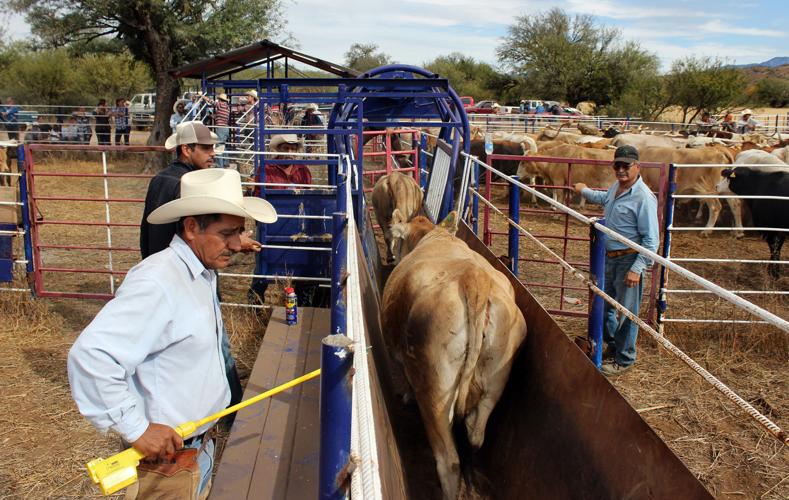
(143, 107)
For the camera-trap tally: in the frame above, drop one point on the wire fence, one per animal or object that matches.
(706, 285)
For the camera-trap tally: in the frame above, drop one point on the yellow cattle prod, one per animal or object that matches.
(120, 471)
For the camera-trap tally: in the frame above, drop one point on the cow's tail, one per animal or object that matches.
(409, 191)
(476, 288)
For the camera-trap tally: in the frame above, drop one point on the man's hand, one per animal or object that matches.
(159, 441)
(632, 279)
(248, 244)
(578, 187)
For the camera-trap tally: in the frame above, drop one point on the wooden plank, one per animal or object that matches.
(303, 476)
(269, 478)
(234, 478)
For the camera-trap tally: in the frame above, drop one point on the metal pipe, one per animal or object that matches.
(474, 199)
(335, 414)
(596, 303)
(339, 247)
(20, 161)
(486, 234)
(662, 303)
(514, 234)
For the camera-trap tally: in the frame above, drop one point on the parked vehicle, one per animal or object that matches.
(468, 101)
(482, 107)
(143, 108)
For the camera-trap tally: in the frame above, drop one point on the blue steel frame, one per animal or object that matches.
(389, 96)
(666, 250)
(514, 232)
(596, 303)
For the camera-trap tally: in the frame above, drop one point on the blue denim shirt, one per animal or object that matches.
(633, 214)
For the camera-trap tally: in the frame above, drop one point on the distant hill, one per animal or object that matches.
(755, 73)
(772, 63)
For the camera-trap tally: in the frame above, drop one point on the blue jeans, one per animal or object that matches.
(621, 332)
(223, 133)
(206, 462)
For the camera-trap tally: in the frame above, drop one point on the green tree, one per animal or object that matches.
(162, 34)
(556, 56)
(467, 76)
(41, 78)
(364, 57)
(773, 92)
(698, 84)
(110, 76)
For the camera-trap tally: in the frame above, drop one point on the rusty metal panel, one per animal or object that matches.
(561, 430)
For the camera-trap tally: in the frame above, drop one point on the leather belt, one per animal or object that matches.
(619, 253)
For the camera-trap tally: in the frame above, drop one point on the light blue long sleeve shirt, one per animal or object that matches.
(153, 353)
(633, 214)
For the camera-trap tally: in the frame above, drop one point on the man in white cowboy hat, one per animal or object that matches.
(313, 118)
(179, 113)
(151, 359)
(194, 145)
(746, 124)
(291, 173)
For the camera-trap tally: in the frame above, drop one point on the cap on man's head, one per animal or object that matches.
(280, 139)
(626, 154)
(193, 132)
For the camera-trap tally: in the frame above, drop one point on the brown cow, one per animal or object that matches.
(5, 180)
(694, 180)
(392, 192)
(450, 319)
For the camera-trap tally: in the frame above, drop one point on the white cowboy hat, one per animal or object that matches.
(222, 97)
(193, 132)
(312, 106)
(213, 191)
(252, 93)
(179, 101)
(278, 139)
(746, 112)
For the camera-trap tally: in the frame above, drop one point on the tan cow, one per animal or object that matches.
(694, 180)
(644, 140)
(600, 176)
(450, 319)
(5, 180)
(392, 192)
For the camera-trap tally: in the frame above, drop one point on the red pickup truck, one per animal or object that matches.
(468, 101)
(482, 107)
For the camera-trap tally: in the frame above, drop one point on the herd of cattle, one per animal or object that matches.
(760, 154)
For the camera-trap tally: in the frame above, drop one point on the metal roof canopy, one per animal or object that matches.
(256, 54)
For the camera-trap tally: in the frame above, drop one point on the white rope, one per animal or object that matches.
(733, 261)
(660, 339)
(365, 479)
(722, 292)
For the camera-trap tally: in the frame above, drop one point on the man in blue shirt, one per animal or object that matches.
(9, 113)
(630, 210)
(152, 358)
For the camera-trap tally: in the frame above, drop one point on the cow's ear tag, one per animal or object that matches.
(450, 222)
(732, 176)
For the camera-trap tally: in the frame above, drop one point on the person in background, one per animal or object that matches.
(193, 107)
(307, 293)
(9, 114)
(103, 129)
(179, 113)
(152, 358)
(122, 123)
(728, 124)
(630, 210)
(746, 123)
(69, 132)
(312, 118)
(705, 123)
(522, 108)
(83, 122)
(221, 123)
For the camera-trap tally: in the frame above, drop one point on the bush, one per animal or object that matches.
(773, 92)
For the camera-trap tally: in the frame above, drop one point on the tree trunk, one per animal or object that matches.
(160, 56)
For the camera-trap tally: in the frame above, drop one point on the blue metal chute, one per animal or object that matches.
(400, 96)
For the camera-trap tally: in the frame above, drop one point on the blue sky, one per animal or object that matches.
(416, 31)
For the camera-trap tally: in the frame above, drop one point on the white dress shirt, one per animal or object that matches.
(153, 354)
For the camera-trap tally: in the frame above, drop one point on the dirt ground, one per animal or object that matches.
(46, 442)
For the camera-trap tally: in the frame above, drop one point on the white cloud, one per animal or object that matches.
(718, 27)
